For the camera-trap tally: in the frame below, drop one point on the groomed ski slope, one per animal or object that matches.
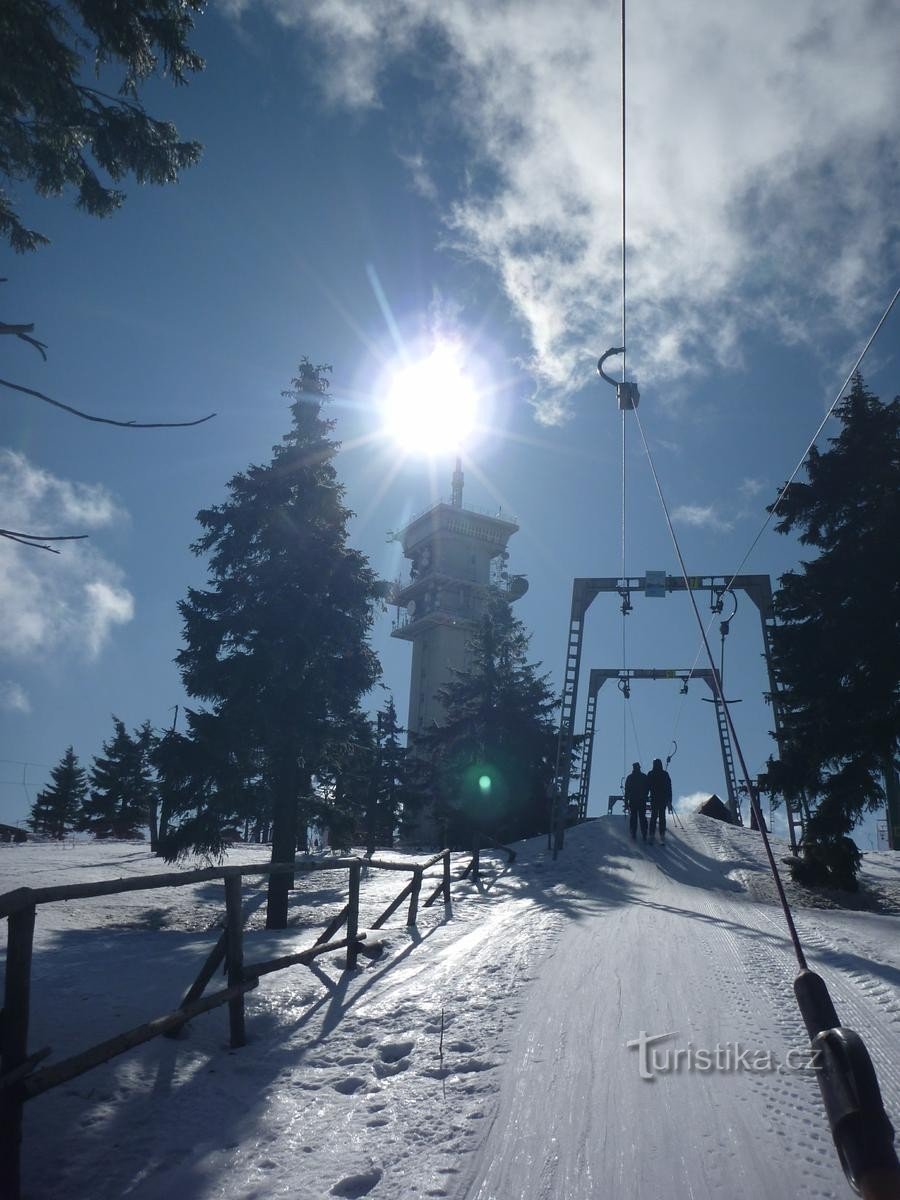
(542, 974)
(670, 941)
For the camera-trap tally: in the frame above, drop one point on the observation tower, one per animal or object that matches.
(456, 556)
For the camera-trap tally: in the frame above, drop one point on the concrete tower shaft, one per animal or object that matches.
(451, 550)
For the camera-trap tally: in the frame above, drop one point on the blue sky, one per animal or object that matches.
(457, 168)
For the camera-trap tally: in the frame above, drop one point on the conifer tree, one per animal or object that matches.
(59, 130)
(122, 786)
(493, 756)
(55, 809)
(210, 789)
(392, 785)
(837, 642)
(276, 645)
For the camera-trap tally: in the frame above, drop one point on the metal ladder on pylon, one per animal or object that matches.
(567, 712)
(727, 759)
(587, 750)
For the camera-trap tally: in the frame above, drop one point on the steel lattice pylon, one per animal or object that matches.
(758, 588)
(596, 680)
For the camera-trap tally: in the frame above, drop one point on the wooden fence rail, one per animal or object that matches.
(21, 1078)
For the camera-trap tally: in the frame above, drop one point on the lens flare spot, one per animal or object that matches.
(431, 406)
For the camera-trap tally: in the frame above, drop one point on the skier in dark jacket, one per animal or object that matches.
(636, 792)
(660, 786)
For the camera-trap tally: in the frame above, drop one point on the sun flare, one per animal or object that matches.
(431, 406)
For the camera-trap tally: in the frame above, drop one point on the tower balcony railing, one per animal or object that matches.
(498, 515)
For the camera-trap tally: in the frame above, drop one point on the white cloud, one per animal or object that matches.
(49, 603)
(106, 605)
(762, 163)
(13, 697)
(39, 494)
(752, 487)
(691, 802)
(703, 516)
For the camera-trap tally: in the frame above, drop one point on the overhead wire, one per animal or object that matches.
(802, 459)
(798, 949)
(624, 576)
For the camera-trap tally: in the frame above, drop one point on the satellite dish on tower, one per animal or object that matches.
(518, 586)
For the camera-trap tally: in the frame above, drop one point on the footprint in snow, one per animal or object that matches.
(393, 1057)
(392, 1051)
(354, 1186)
(348, 1086)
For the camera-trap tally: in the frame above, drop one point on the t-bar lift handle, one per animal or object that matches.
(862, 1131)
(627, 394)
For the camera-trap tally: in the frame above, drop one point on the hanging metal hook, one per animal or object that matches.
(627, 394)
(673, 752)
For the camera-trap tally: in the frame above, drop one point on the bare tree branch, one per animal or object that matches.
(17, 387)
(22, 331)
(36, 540)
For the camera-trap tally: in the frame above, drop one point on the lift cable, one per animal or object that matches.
(637, 740)
(798, 949)
(626, 604)
(861, 1129)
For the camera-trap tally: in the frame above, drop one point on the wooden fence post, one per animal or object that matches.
(447, 877)
(353, 915)
(414, 897)
(14, 1046)
(476, 859)
(234, 956)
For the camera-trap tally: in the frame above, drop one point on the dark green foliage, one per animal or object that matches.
(122, 786)
(392, 785)
(276, 646)
(58, 130)
(344, 781)
(208, 792)
(493, 758)
(837, 642)
(55, 810)
(829, 861)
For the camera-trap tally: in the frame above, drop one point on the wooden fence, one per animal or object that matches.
(22, 1077)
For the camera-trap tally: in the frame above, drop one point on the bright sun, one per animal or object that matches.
(430, 406)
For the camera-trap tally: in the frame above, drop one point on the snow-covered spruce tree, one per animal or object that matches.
(55, 809)
(277, 644)
(837, 641)
(122, 788)
(493, 756)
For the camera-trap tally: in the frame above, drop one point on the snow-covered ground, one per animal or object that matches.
(540, 976)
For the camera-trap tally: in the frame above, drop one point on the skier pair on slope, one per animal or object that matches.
(655, 786)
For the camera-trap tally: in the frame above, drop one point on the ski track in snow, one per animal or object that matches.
(540, 975)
